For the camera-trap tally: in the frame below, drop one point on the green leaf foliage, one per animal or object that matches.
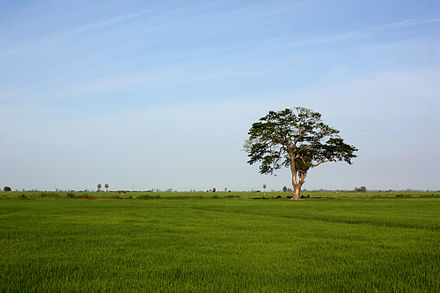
(295, 134)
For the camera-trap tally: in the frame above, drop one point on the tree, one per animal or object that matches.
(7, 188)
(295, 138)
(99, 187)
(264, 187)
(361, 189)
(284, 188)
(106, 187)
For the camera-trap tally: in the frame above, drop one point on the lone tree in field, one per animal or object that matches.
(106, 187)
(360, 189)
(99, 187)
(295, 138)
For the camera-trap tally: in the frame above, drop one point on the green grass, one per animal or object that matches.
(220, 245)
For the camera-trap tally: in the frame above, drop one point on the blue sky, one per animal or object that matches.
(161, 94)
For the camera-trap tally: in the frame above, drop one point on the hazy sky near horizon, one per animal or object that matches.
(161, 94)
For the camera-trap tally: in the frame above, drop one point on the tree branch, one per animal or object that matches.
(300, 135)
(323, 161)
(302, 177)
(322, 135)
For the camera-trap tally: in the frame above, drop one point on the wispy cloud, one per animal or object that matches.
(106, 22)
(408, 22)
(317, 40)
(75, 31)
(362, 32)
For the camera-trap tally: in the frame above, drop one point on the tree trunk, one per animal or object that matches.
(296, 192)
(296, 185)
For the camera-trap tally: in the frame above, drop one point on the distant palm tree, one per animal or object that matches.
(106, 187)
(99, 187)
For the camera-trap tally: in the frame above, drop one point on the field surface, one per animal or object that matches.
(211, 195)
(219, 244)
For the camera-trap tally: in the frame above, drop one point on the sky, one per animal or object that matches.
(161, 94)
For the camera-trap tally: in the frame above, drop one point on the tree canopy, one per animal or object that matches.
(295, 138)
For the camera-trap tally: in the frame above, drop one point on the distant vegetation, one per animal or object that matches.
(361, 189)
(314, 195)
